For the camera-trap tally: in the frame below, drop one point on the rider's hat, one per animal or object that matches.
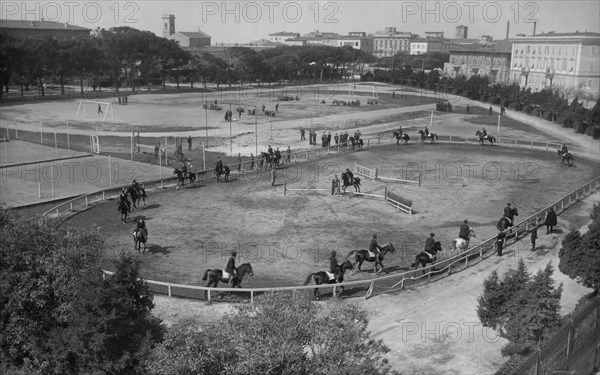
(333, 253)
(508, 204)
(375, 236)
(465, 221)
(431, 234)
(234, 253)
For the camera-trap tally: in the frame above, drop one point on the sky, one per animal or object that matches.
(245, 21)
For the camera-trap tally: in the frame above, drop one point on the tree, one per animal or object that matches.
(280, 333)
(580, 254)
(57, 314)
(520, 308)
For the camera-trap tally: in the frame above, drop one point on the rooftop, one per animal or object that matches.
(499, 46)
(40, 25)
(194, 34)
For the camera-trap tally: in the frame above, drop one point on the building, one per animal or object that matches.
(461, 32)
(390, 42)
(567, 61)
(283, 37)
(434, 34)
(423, 45)
(190, 41)
(485, 58)
(357, 41)
(29, 29)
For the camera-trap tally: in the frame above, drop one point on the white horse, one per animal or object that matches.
(461, 244)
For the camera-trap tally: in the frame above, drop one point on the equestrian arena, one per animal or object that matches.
(286, 234)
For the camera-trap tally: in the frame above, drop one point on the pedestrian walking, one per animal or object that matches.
(100, 109)
(273, 175)
(190, 143)
(239, 160)
(251, 161)
(288, 154)
(533, 237)
(500, 242)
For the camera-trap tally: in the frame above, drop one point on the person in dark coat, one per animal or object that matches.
(464, 231)
(500, 242)
(334, 266)
(231, 268)
(374, 246)
(429, 242)
(533, 237)
(550, 221)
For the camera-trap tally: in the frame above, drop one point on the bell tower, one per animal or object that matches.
(168, 21)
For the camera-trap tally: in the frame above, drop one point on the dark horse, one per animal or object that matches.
(424, 137)
(490, 138)
(405, 137)
(355, 142)
(135, 197)
(326, 277)
(123, 210)
(265, 158)
(425, 257)
(365, 255)
(216, 275)
(139, 237)
(346, 182)
(503, 224)
(222, 171)
(180, 177)
(566, 157)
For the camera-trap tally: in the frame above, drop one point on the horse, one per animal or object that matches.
(461, 244)
(265, 157)
(405, 137)
(365, 255)
(490, 138)
(223, 171)
(215, 275)
(134, 196)
(346, 182)
(139, 237)
(180, 177)
(123, 210)
(425, 257)
(355, 141)
(424, 136)
(566, 156)
(327, 277)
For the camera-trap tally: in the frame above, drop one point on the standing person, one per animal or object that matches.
(273, 174)
(231, 268)
(190, 143)
(288, 154)
(277, 107)
(251, 161)
(270, 151)
(551, 221)
(329, 139)
(156, 151)
(533, 237)
(500, 242)
(490, 111)
(302, 138)
(99, 109)
(335, 185)
(336, 138)
(239, 160)
(277, 156)
(468, 109)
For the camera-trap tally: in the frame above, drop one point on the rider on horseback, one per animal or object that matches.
(426, 132)
(429, 243)
(141, 225)
(334, 267)
(219, 165)
(483, 133)
(230, 268)
(509, 213)
(464, 231)
(123, 199)
(374, 246)
(563, 149)
(135, 186)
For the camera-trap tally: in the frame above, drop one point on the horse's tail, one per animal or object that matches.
(205, 277)
(307, 281)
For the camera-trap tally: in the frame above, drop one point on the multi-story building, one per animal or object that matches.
(390, 42)
(283, 37)
(29, 29)
(486, 58)
(423, 45)
(567, 61)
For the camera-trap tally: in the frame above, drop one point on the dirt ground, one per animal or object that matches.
(287, 237)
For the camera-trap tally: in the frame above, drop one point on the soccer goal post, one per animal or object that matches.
(101, 108)
(352, 89)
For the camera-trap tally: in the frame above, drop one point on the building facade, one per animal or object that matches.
(30, 29)
(390, 42)
(424, 45)
(283, 37)
(486, 58)
(567, 61)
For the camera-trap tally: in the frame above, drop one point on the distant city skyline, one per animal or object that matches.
(245, 21)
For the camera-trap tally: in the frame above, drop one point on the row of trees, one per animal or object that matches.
(126, 56)
(58, 315)
(524, 309)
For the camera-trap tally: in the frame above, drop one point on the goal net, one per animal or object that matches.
(89, 107)
(353, 89)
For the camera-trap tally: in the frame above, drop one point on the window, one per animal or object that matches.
(560, 50)
(564, 65)
(589, 84)
(527, 49)
(546, 50)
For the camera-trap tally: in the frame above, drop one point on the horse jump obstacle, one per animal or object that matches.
(392, 199)
(373, 174)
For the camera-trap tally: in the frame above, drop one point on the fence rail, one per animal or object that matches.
(356, 288)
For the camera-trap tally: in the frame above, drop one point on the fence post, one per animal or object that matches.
(251, 296)
(334, 291)
(169, 289)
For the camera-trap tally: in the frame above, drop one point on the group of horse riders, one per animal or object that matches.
(141, 192)
(334, 266)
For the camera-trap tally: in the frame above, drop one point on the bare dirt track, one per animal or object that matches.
(287, 237)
